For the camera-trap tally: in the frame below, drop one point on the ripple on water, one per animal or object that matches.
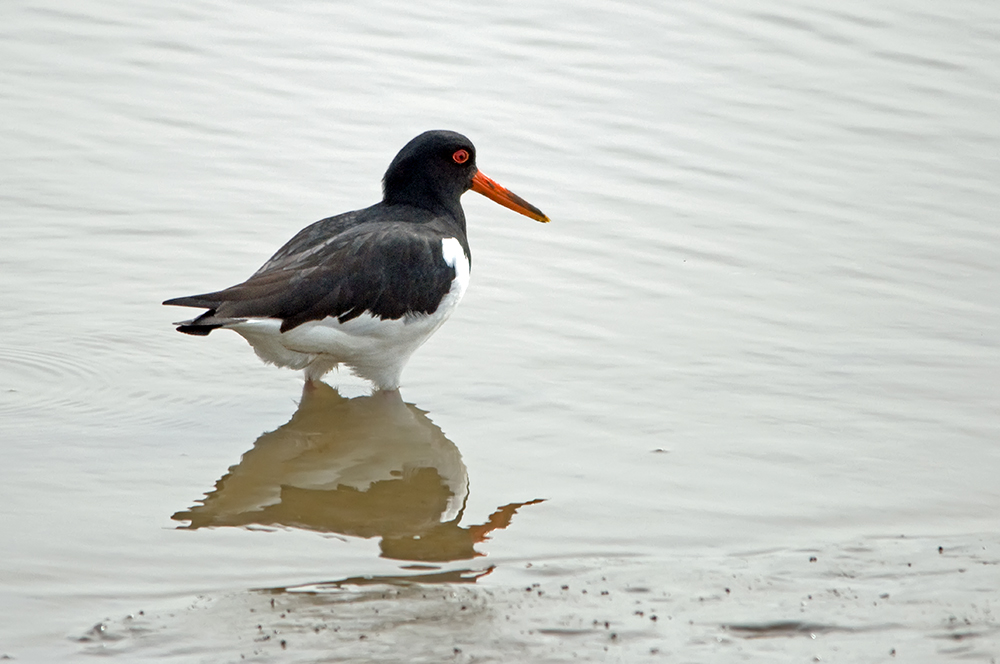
(79, 385)
(43, 387)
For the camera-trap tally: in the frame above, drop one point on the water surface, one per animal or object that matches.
(746, 382)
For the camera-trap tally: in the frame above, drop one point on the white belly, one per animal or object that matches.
(374, 349)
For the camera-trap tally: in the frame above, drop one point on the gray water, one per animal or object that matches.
(738, 401)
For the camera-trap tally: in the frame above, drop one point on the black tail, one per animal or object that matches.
(197, 330)
(205, 323)
(201, 325)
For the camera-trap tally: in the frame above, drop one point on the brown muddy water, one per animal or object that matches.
(737, 402)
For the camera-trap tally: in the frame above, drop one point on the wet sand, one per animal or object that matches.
(872, 600)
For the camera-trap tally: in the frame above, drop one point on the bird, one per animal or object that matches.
(366, 288)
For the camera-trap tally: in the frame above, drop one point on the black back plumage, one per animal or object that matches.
(386, 259)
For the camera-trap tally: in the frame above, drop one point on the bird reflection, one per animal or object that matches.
(370, 466)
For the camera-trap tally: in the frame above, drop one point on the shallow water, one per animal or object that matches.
(762, 329)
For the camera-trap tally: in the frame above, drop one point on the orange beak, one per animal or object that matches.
(490, 189)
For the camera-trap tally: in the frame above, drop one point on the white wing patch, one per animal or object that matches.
(454, 256)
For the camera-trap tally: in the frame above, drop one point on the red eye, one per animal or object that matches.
(460, 156)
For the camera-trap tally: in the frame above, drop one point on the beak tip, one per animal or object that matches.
(490, 189)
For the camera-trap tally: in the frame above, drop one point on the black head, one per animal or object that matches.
(432, 171)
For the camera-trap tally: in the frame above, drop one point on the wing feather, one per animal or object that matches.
(389, 269)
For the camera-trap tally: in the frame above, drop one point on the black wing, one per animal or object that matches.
(389, 269)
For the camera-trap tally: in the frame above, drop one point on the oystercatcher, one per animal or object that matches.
(365, 288)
